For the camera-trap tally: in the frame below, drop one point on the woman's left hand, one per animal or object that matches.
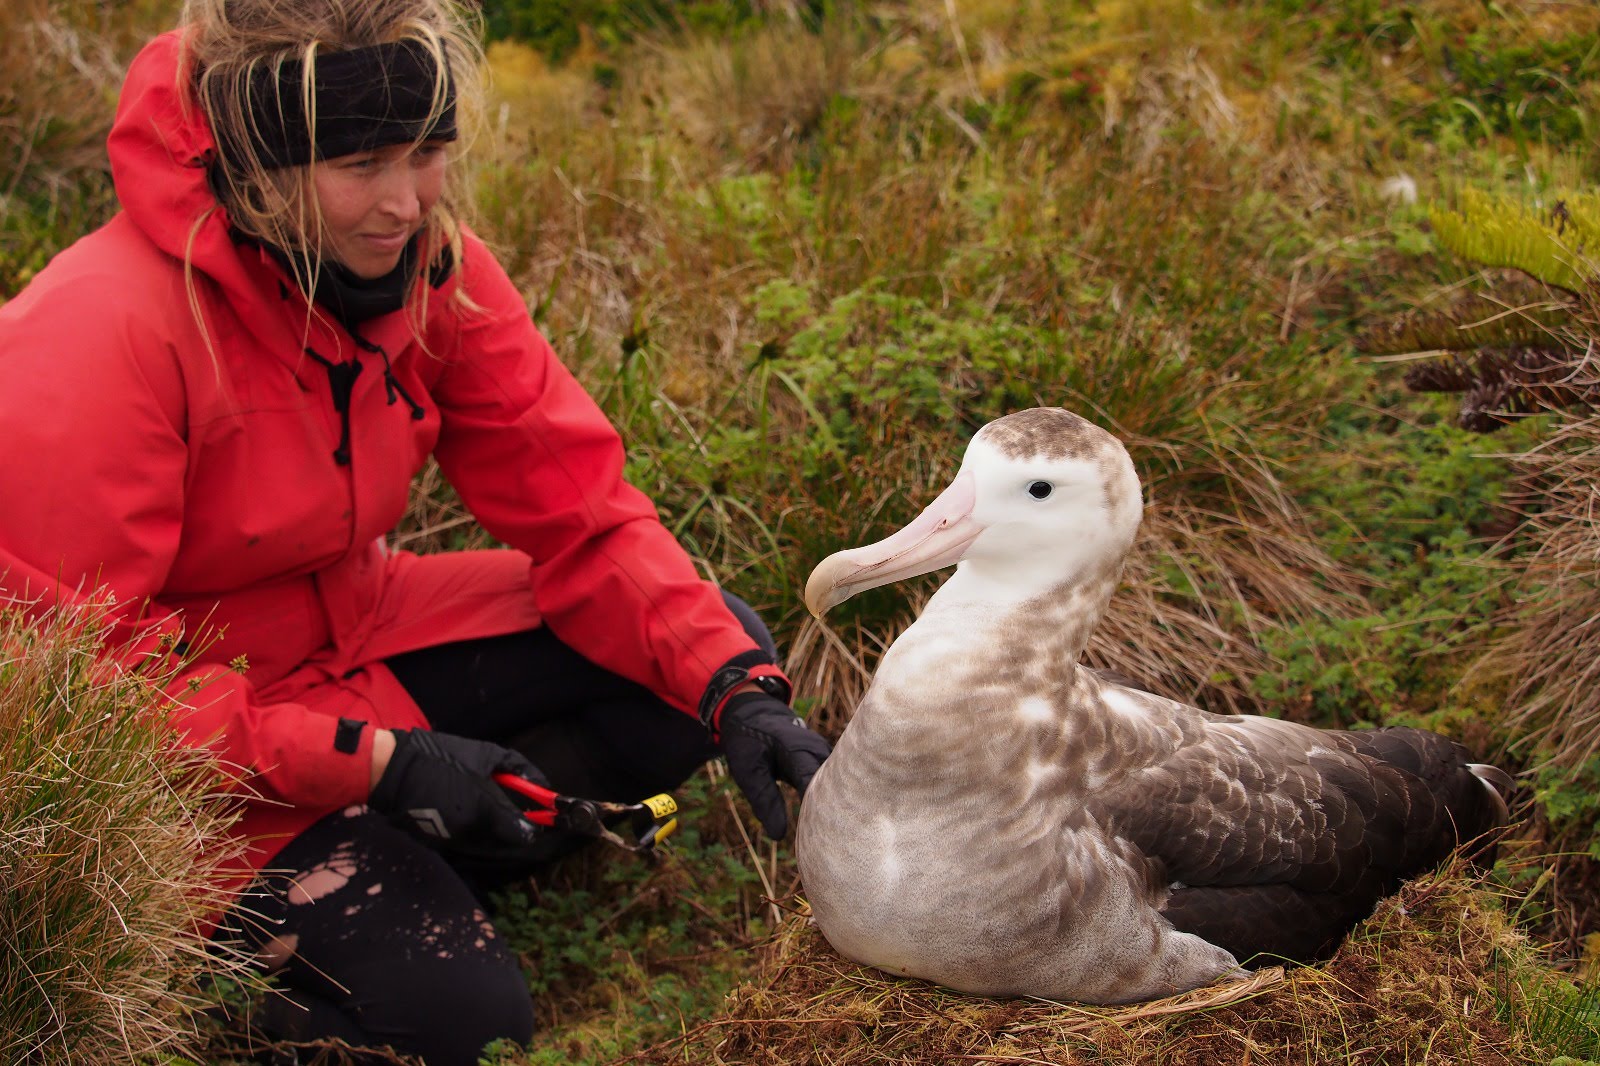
(765, 741)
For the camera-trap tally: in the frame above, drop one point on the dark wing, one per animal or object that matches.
(1250, 801)
(1287, 922)
(1277, 837)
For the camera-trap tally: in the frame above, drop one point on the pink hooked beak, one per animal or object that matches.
(937, 537)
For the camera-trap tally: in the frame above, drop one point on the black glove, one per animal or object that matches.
(438, 785)
(764, 740)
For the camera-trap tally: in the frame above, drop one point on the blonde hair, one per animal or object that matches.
(231, 44)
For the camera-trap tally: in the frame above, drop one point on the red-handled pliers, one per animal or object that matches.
(651, 821)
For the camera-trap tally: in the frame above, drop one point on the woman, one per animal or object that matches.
(212, 409)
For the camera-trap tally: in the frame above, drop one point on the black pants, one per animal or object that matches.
(378, 940)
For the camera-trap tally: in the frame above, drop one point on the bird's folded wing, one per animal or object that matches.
(1251, 801)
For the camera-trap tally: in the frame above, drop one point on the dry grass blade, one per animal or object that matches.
(830, 671)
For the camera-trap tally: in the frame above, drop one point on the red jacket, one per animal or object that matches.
(197, 481)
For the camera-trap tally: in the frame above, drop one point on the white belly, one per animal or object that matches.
(888, 888)
(1048, 912)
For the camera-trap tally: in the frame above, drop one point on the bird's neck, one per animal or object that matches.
(1062, 612)
(979, 629)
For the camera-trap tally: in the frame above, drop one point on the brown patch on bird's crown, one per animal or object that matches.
(1047, 432)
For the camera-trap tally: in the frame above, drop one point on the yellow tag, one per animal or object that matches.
(668, 827)
(662, 806)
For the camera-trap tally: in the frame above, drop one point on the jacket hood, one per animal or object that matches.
(161, 149)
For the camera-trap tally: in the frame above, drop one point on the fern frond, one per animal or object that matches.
(1555, 244)
(1515, 311)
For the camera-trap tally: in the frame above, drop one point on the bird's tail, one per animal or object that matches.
(1498, 783)
(1439, 766)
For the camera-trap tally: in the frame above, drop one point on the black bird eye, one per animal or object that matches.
(1040, 489)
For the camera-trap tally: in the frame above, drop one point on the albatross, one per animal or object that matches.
(1001, 820)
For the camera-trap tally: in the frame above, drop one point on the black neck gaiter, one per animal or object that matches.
(350, 298)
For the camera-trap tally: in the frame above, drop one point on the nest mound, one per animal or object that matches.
(1431, 977)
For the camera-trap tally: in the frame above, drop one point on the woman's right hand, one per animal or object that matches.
(440, 786)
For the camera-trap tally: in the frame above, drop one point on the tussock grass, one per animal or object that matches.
(750, 100)
(1438, 975)
(1537, 358)
(1542, 653)
(109, 835)
(1548, 650)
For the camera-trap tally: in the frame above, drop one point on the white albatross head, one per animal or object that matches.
(1043, 498)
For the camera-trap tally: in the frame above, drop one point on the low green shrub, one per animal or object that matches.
(1411, 503)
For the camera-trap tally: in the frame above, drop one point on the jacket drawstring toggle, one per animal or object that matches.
(390, 382)
(341, 382)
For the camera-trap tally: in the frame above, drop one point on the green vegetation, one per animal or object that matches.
(801, 257)
(1516, 347)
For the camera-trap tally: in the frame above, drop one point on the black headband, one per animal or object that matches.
(365, 98)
